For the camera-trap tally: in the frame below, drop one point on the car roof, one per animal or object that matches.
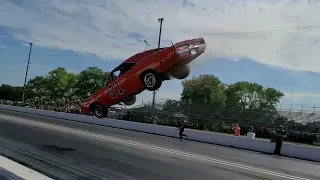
(137, 57)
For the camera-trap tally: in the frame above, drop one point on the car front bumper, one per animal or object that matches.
(191, 51)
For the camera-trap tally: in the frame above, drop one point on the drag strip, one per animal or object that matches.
(52, 166)
(144, 156)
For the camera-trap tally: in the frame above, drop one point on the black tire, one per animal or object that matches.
(151, 80)
(130, 100)
(99, 111)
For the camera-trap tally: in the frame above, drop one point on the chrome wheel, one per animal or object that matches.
(149, 80)
(98, 110)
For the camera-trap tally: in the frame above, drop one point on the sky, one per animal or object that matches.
(273, 43)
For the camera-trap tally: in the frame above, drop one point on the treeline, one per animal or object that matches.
(206, 102)
(9, 92)
(58, 84)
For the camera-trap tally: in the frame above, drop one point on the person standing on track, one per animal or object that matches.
(181, 129)
(280, 134)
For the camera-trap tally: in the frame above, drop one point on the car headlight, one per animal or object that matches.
(193, 52)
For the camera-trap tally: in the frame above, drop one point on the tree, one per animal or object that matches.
(71, 86)
(244, 94)
(205, 89)
(170, 104)
(251, 96)
(89, 81)
(9, 92)
(270, 98)
(203, 99)
(58, 83)
(250, 102)
(37, 87)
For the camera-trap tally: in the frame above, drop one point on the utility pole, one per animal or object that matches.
(26, 76)
(154, 92)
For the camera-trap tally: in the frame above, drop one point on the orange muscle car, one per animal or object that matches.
(145, 70)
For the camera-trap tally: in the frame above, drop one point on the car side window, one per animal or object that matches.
(125, 67)
(119, 71)
(111, 77)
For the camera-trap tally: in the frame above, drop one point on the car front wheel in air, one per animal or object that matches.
(151, 80)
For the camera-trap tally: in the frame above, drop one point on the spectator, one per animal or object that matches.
(251, 134)
(236, 129)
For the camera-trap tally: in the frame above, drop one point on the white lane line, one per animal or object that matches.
(21, 171)
(151, 147)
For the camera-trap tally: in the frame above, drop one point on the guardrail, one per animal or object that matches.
(290, 150)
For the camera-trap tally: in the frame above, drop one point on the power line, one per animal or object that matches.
(119, 47)
(253, 32)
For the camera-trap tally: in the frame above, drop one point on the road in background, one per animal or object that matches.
(144, 162)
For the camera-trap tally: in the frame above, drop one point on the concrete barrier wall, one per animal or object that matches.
(291, 150)
(301, 151)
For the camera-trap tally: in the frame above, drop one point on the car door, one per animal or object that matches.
(115, 90)
(121, 86)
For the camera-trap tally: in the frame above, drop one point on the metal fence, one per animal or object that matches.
(300, 113)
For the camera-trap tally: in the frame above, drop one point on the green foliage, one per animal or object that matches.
(89, 81)
(8, 92)
(59, 83)
(207, 98)
(252, 102)
(205, 89)
(209, 104)
(37, 87)
(170, 104)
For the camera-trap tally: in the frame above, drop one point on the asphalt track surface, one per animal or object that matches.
(134, 155)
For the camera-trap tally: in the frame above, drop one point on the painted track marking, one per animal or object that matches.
(148, 146)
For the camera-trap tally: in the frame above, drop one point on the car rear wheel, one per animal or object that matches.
(151, 80)
(99, 111)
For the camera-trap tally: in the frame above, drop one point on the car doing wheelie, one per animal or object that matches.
(146, 70)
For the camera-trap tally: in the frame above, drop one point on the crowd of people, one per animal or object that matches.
(59, 105)
(70, 105)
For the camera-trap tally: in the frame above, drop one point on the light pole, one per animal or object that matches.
(26, 76)
(154, 92)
